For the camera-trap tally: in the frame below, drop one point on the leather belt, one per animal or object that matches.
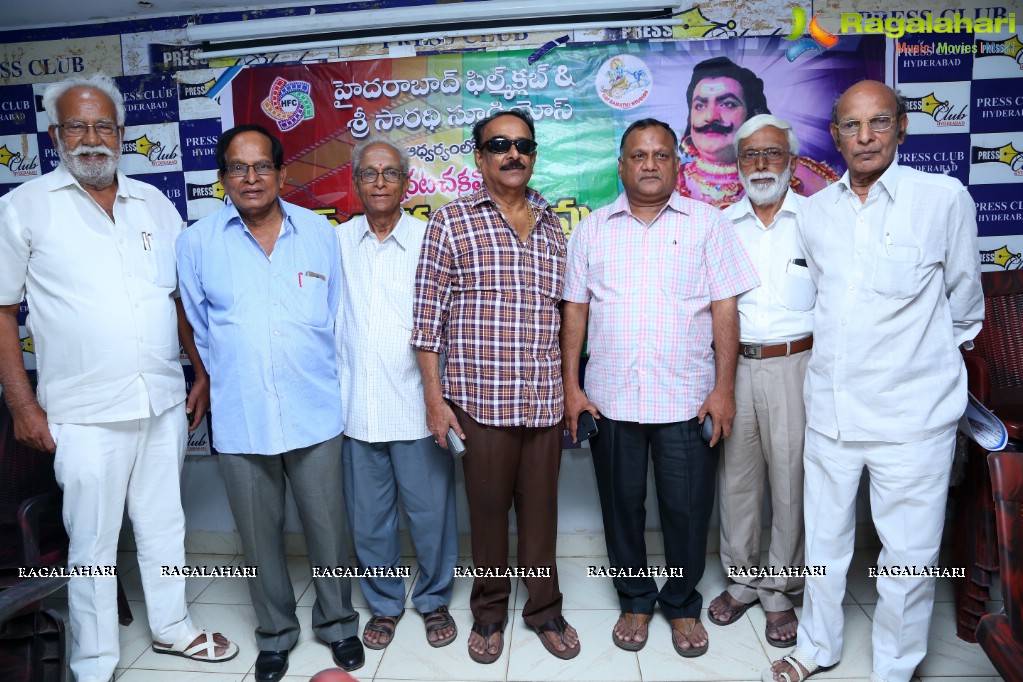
(756, 351)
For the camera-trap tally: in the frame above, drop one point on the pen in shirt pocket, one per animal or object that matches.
(310, 273)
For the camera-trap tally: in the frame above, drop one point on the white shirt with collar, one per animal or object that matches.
(100, 296)
(382, 391)
(898, 291)
(781, 308)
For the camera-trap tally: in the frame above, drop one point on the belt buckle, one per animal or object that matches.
(751, 351)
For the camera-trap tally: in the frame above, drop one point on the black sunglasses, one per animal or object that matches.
(502, 145)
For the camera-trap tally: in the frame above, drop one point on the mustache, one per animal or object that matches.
(513, 165)
(714, 127)
(87, 149)
(764, 175)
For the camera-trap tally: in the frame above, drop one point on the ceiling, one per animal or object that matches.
(18, 14)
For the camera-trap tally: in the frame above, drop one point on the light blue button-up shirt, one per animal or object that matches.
(264, 327)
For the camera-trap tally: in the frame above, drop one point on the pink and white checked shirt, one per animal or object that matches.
(649, 290)
(491, 302)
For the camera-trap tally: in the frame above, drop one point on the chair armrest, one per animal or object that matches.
(29, 513)
(978, 376)
(15, 599)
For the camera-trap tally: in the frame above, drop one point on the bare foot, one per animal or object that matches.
(782, 626)
(689, 635)
(632, 628)
(490, 646)
(562, 643)
(725, 609)
(779, 667)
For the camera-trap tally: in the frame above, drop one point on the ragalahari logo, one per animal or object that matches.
(818, 40)
(289, 103)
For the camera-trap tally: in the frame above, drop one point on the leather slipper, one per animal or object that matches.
(486, 631)
(557, 624)
(634, 622)
(736, 611)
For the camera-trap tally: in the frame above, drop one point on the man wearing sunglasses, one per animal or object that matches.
(893, 252)
(389, 453)
(487, 291)
(261, 281)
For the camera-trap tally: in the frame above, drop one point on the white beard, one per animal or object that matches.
(765, 195)
(93, 173)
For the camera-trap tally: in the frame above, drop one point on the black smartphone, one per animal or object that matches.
(586, 426)
(708, 428)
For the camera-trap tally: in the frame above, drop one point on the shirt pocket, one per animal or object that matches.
(307, 301)
(798, 291)
(897, 271)
(158, 259)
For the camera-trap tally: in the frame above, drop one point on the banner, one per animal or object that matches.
(581, 97)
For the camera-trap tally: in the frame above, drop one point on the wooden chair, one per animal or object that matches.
(1001, 634)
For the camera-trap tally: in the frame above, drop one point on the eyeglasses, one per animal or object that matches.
(772, 155)
(878, 124)
(240, 170)
(502, 145)
(79, 129)
(391, 175)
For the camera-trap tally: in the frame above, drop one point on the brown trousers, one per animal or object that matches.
(503, 465)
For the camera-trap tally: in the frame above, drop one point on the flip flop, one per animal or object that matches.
(679, 625)
(633, 621)
(736, 612)
(385, 625)
(485, 631)
(557, 624)
(439, 619)
(789, 616)
(186, 649)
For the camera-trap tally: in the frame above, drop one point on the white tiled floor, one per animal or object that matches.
(737, 652)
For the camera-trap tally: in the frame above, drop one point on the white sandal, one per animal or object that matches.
(794, 659)
(207, 647)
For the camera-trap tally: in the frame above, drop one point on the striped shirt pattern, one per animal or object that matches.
(490, 302)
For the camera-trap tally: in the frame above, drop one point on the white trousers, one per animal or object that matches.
(908, 490)
(99, 467)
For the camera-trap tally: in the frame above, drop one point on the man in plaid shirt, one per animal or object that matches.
(657, 275)
(490, 278)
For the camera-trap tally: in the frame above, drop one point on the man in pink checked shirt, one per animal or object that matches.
(657, 276)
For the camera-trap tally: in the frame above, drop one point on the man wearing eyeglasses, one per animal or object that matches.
(652, 279)
(93, 251)
(893, 252)
(261, 281)
(389, 453)
(487, 290)
(775, 325)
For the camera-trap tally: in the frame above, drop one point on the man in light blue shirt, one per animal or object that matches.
(260, 281)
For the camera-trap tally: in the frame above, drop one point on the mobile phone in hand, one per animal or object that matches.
(586, 426)
(707, 431)
(455, 444)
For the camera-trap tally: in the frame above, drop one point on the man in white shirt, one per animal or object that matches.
(388, 451)
(775, 324)
(893, 252)
(94, 252)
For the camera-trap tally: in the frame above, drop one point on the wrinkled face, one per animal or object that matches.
(718, 109)
(89, 155)
(868, 153)
(512, 169)
(648, 165)
(251, 193)
(765, 180)
(380, 197)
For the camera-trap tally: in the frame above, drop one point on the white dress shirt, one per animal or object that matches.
(381, 389)
(781, 308)
(898, 291)
(100, 296)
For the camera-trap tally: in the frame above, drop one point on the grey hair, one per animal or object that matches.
(99, 80)
(376, 139)
(762, 121)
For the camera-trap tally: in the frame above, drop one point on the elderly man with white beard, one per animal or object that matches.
(775, 324)
(93, 252)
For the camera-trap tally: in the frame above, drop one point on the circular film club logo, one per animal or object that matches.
(623, 82)
(289, 103)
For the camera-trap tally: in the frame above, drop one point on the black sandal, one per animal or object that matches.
(385, 625)
(486, 631)
(439, 619)
(557, 624)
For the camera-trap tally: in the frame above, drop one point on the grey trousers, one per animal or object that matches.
(255, 490)
(766, 442)
(422, 476)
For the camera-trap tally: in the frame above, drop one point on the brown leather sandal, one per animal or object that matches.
(634, 622)
(437, 620)
(557, 624)
(384, 625)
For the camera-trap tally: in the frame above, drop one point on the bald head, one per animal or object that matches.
(869, 88)
(868, 124)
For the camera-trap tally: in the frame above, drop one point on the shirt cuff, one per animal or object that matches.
(426, 341)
